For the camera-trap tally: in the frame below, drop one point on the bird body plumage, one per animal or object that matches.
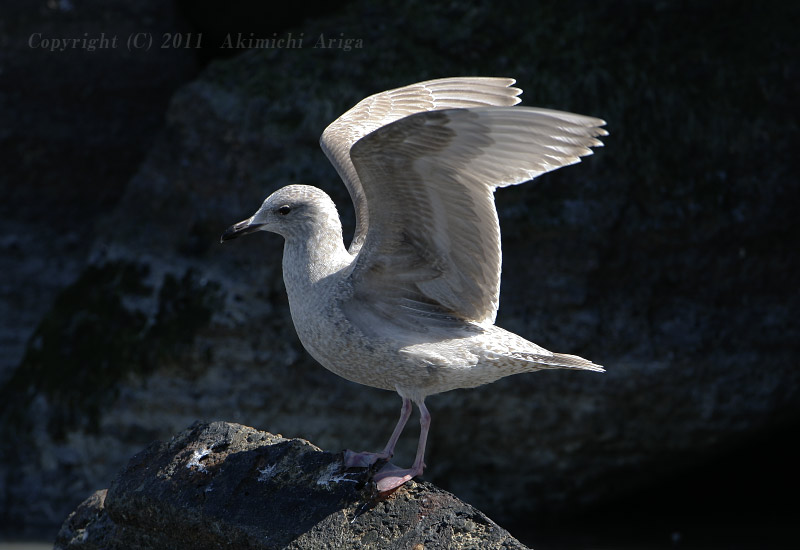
(411, 305)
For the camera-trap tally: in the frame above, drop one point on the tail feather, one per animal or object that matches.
(565, 361)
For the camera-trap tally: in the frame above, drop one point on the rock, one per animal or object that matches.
(224, 485)
(88, 526)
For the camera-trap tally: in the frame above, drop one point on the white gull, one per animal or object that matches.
(410, 305)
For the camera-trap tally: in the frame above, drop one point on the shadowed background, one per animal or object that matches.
(668, 256)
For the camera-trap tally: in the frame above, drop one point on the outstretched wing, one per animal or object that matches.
(433, 245)
(386, 107)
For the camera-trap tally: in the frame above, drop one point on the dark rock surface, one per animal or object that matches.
(224, 485)
(668, 257)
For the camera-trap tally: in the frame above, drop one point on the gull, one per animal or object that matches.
(410, 305)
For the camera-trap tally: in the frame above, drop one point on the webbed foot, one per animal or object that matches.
(390, 477)
(353, 459)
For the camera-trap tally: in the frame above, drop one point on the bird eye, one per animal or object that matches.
(285, 209)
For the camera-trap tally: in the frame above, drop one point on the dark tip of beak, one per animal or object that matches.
(239, 229)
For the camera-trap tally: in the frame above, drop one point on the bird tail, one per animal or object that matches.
(564, 361)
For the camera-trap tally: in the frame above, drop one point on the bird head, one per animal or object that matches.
(294, 210)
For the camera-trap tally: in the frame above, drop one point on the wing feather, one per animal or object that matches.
(381, 109)
(429, 179)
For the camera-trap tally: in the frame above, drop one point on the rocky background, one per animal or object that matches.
(669, 256)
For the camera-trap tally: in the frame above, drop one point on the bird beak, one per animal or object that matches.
(239, 229)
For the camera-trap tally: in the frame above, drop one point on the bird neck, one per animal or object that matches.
(307, 260)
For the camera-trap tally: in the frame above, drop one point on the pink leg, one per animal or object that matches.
(365, 459)
(391, 477)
